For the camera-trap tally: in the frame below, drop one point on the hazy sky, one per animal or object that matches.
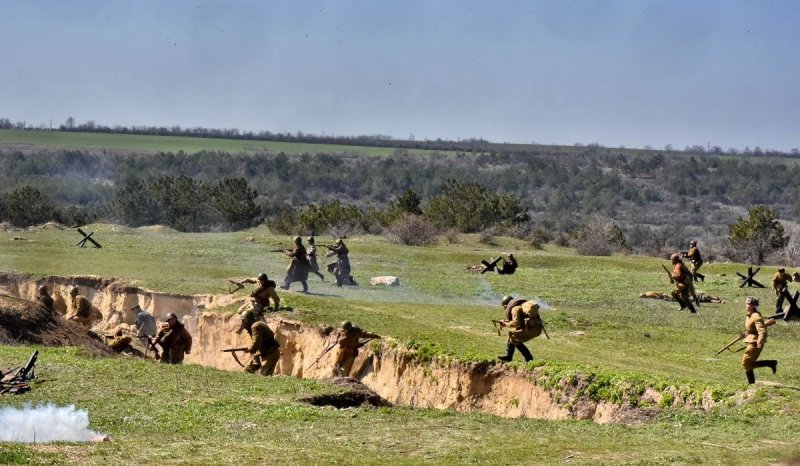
(614, 72)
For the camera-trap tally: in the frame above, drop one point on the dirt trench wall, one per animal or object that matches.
(391, 371)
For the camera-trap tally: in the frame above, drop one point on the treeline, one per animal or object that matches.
(656, 200)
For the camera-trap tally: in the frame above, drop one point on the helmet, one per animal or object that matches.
(751, 300)
(170, 316)
(43, 289)
(346, 325)
(339, 241)
(310, 240)
(263, 277)
(675, 257)
(693, 242)
(73, 291)
(782, 269)
(506, 299)
(248, 316)
(298, 240)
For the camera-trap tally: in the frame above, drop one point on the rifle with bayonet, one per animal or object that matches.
(330, 347)
(233, 352)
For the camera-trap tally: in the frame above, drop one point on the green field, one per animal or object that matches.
(597, 324)
(189, 145)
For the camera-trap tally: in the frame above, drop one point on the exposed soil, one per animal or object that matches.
(356, 394)
(27, 322)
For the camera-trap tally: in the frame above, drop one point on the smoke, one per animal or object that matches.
(47, 423)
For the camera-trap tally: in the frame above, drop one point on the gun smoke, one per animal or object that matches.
(47, 423)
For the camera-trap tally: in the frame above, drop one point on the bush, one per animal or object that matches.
(537, 238)
(600, 237)
(486, 237)
(412, 230)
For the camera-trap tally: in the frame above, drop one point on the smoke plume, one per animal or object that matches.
(47, 423)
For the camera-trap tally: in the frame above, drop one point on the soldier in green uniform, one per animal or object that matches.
(175, 339)
(697, 261)
(780, 283)
(682, 278)
(45, 299)
(755, 332)
(523, 322)
(348, 340)
(264, 348)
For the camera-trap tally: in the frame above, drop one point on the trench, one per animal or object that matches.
(385, 367)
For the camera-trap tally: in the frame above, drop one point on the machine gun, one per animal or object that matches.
(26, 372)
(19, 382)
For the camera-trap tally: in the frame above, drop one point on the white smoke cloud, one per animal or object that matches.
(48, 423)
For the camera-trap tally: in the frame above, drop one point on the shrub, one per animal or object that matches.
(600, 237)
(412, 230)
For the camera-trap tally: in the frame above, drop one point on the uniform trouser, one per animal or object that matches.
(779, 301)
(681, 294)
(750, 356)
(695, 269)
(264, 363)
(344, 361)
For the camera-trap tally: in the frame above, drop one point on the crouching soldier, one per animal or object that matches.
(45, 299)
(755, 332)
(174, 339)
(264, 348)
(524, 323)
(349, 342)
(80, 309)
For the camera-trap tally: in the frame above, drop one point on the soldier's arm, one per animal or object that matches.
(188, 341)
(276, 300)
(258, 338)
(762, 332)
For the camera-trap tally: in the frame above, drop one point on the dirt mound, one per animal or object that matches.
(48, 226)
(26, 322)
(158, 229)
(356, 394)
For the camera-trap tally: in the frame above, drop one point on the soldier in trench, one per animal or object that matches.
(523, 323)
(45, 299)
(80, 309)
(348, 340)
(264, 347)
(261, 296)
(174, 339)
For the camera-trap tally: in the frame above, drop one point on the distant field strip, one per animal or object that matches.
(145, 143)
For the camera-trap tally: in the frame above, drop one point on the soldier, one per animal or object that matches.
(697, 261)
(80, 309)
(298, 267)
(45, 299)
(175, 340)
(262, 294)
(265, 349)
(509, 266)
(342, 267)
(780, 283)
(348, 340)
(755, 332)
(524, 323)
(311, 255)
(682, 278)
(145, 322)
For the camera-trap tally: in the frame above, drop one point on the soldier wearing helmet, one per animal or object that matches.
(755, 335)
(298, 267)
(348, 340)
(264, 347)
(341, 268)
(175, 339)
(262, 294)
(697, 261)
(45, 299)
(780, 283)
(311, 255)
(80, 309)
(523, 322)
(681, 277)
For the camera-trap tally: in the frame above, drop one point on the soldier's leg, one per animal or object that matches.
(771, 363)
(751, 377)
(509, 353)
(269, 361)
(341, 356)
(305, 286)
(253, 364)
(677, 296)
(523, 350)
(749, 358)
(347, 366)
(779, 303)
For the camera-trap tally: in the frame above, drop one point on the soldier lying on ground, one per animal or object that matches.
(702, 297)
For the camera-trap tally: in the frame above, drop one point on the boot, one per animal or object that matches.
(691, 308)
(702, 277)
(751, 377)
(523, 350)
(771, 363)
(509, 353)
(682, 303)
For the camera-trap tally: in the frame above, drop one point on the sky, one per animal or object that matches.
(617, 73)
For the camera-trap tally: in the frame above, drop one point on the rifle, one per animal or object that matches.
(740, 337)
(233, 352)
(26, 372)
(496, 327)
(151, 344)
(362, 343)
(671, 280)
(324, 353)
(277, 250)
(239, 286)
(541, 322)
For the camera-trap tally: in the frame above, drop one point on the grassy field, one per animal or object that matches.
(144, 143)
(596, 321)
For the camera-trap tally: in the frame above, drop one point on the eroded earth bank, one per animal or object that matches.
(387, 367)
